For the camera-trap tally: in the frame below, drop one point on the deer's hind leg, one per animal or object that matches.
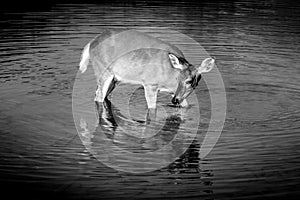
(114, 82)
(105, 84)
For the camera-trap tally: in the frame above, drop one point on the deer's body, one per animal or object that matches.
(136, 58)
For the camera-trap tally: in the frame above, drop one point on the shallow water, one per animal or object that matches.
(257, 50)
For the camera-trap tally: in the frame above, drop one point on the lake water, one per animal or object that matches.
(257, 48)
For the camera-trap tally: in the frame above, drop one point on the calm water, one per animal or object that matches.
(257, 50)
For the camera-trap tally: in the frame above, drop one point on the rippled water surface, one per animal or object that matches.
(256, 46)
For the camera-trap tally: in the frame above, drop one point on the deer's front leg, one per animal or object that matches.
(151, 95)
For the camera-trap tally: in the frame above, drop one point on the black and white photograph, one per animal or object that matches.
(140, 99)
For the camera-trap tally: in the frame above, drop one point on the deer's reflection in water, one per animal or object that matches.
(137, 145)
(149, 134)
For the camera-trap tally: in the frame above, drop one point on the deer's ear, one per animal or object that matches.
(175, 62)
(206, 65)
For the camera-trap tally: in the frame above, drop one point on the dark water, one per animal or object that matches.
(257, 50)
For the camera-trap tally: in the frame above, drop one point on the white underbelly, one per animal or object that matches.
(164, 90)
(136, 82)
(124, 80)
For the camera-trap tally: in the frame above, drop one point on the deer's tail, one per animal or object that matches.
(85, 58)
